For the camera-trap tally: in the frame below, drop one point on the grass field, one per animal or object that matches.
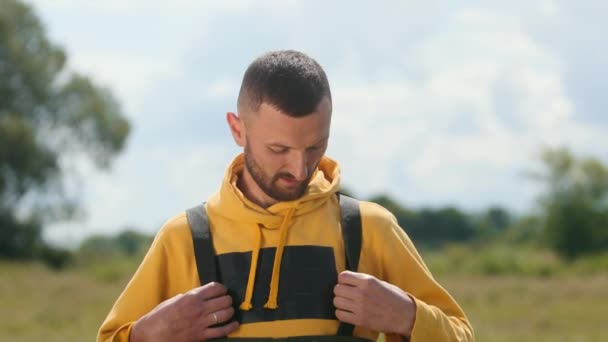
(507, 308)
(37, 304)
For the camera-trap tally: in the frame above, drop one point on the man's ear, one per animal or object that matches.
(237, 128)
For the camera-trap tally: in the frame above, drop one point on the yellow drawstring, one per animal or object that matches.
(274, 282)
(255, 253)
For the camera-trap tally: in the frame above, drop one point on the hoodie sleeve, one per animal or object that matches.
(150, 285)
(390, 255)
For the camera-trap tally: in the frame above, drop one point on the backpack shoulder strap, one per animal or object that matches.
(351, 234)
(351, 230)
(204, 253)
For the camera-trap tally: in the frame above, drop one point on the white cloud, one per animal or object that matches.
(223, 88)
(128, 76)
(549, 8)
(441, 137)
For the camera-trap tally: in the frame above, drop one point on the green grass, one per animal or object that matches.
(37, 304)
(503, 259)
(510, 308)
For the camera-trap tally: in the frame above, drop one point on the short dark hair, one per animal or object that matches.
(291, 81)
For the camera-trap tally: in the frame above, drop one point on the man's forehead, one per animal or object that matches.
(272, 127)
(324, 105)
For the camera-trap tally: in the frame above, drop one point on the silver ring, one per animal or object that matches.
(215, 318)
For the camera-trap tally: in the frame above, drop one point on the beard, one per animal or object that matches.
(269, 184)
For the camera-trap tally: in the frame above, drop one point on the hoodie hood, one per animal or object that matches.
(231, 203)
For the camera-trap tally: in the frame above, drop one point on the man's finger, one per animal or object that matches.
(344, 304)
(351, 278)
(210, 290)
(219, 316)
(346, 291)
(346, 316)
(222, 331)
(217, 303)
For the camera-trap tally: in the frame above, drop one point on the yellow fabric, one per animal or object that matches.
(387, 253)
(274, 282)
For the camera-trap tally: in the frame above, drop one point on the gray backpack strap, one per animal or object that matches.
(204, 253)
(351, 234)
(351, 230)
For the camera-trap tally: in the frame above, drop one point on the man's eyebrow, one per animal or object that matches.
(322, 139)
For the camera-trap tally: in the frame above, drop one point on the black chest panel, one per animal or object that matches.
(308, 276)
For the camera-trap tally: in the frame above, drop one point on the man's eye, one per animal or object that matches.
(278, 150)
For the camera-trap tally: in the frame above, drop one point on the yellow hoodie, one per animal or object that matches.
(282, 264)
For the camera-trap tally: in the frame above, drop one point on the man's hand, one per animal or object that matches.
(188, 317)
(363, 300)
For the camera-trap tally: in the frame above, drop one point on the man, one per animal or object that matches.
(277, 238)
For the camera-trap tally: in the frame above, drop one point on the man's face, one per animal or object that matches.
(282, 152)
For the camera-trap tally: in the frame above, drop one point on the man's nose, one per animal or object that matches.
(298, 167)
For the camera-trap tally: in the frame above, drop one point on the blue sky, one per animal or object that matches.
(435, 103)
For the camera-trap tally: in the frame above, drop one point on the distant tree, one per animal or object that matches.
(47, 116)
(497, 218)
(430, 227)
(492, 222)
(434, 227)
(19, 239)
(131, 242)
(98, 247)
(574, 203)
(525, 230)
(403, 215)
(126, 243)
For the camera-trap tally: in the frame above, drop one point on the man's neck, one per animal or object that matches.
(252, 191)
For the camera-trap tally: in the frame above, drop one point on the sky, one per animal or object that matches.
(435, 102)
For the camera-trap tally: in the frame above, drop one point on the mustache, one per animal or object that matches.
(284, 175)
